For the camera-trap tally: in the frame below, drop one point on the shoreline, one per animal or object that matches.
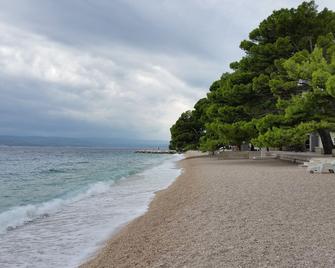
(103, 251)
(231, 213)
(102, 244)
(103, 197)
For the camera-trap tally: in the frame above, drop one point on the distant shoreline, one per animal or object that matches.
(45, 141)
(231, 213)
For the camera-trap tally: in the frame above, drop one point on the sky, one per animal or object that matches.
(116, 68)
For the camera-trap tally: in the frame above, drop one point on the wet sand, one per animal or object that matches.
(232, 213)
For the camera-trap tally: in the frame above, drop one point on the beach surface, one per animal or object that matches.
(232, 213)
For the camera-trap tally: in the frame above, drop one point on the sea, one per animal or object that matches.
(59, 205)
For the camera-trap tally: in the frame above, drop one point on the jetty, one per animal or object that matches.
(155, 152)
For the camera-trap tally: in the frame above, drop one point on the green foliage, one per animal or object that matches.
(271, 120)
(236, 133)
(330, 85)
(281, 90)
(185, 132)
(209, 144)
(291, 137)
(275, 137)
(308, 111)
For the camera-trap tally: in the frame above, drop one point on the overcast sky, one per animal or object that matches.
(116, 68)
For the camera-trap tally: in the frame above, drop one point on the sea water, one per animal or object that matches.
(59, 205)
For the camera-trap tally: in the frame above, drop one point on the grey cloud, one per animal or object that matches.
(118, 68)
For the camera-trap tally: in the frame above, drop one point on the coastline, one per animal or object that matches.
(233, 213)
(104, 191)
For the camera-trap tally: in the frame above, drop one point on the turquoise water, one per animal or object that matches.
(58, 203)
(32, 175)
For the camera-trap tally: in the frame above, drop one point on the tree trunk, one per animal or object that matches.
(326, 140)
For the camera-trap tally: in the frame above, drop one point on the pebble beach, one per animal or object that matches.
(232, 213)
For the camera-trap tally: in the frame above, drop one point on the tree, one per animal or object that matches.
(185, 132)
(261, 98)
(313, 109)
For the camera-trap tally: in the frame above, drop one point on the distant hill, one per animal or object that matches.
(80, 142)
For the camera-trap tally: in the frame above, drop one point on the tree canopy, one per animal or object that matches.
(281, 90)
(185, 132)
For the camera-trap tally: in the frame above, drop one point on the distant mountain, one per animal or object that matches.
(80, 142)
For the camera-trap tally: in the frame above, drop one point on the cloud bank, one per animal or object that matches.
(115, 68)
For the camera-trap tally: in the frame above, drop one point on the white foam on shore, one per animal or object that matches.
(64, 233)
(18, 216)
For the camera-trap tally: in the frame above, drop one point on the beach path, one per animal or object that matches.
(232, 213)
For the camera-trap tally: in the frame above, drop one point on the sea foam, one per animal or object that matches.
(17, 216)
(65, 232)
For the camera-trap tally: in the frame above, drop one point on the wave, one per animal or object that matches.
(21, 215)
